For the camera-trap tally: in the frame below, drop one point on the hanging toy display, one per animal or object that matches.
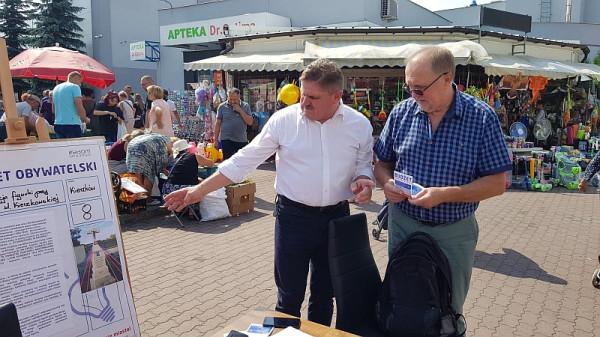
(382, 115)
(568, 107)
(366, 109)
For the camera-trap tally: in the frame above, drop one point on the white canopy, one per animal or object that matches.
(384, 53)
(250, 62)
(533, 66)
(381, 53)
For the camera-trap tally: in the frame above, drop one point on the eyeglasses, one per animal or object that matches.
(421, 92)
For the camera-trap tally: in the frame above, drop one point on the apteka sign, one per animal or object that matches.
(215, 29)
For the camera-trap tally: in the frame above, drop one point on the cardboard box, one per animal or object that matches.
(240, 197)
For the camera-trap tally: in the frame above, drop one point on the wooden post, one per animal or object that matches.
(15, 126)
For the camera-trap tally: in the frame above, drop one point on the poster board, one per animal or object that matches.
(62, 261)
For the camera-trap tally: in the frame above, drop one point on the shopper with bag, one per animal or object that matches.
(452, 145)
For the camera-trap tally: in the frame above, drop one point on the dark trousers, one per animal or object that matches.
(230, 147)
(68, 131)
(301, 237)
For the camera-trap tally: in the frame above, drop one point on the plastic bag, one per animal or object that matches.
(121, 130)
(214, 206)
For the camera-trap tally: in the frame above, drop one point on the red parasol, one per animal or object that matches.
(55, 63)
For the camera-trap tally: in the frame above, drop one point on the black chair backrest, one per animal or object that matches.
(9, 322)
(354, 274)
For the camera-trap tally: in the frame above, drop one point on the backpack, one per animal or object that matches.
(416, 294)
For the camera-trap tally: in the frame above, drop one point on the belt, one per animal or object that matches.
(429, 223)
(318, 209)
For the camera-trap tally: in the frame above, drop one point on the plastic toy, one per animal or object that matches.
(540, 183)
(523, 183)
(568, 171)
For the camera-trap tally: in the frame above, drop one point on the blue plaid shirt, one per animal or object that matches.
(468, 144)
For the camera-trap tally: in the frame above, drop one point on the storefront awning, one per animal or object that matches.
(384, 53)
(250, 62)
(533, 66)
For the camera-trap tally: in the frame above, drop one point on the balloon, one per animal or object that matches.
(289, 94)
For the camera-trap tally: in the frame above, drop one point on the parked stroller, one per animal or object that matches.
(382, 221)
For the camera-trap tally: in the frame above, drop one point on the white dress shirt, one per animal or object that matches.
(316, 163)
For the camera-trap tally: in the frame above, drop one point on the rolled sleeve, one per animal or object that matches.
(384, 146)
(493, 154)
(364, 162)
(250, 156)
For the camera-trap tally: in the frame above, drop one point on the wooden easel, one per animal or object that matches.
(15, 126)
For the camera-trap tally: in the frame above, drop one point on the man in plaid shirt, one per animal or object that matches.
(452, 145)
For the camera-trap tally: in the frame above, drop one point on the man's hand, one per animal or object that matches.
(362, 189)
(583, 185)
(392, 193)
(237, 108)
(87, 120)
(428, 197)
(178, 200)
(216, 144)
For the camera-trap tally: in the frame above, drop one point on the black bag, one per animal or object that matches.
(416, 295)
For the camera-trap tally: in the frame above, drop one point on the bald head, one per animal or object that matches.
(438, 59)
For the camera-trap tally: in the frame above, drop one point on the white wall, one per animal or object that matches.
(86, 24)
(591, 12)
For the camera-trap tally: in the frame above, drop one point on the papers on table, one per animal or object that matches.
(291, 332)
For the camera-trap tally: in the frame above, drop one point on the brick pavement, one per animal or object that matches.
(532, 274)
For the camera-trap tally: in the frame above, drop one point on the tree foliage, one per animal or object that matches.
(56, 21)
(13, 25)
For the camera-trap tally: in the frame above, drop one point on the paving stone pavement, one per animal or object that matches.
(532, 276)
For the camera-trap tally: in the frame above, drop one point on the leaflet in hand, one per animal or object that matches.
(405, 183)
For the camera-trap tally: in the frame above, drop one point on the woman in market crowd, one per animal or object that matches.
(108, 117)
(172, 108)
(46, 107)
(138, 105)
(147, 156)
(592, 168)
(184, 172)
(118, 152)
(159, 117)
(128, 111)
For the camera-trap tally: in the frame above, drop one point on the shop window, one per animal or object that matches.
(261, 94)
(373, 93)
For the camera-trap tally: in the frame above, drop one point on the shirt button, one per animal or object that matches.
(428, 163)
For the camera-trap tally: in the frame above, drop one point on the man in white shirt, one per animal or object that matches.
(323, 154)
(26, 111)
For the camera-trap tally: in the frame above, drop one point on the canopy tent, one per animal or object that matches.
(55, 63)
(390, 53)
(384, 53)
(533, 66)
(282, 61)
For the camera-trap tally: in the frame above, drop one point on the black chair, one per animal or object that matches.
(354, 275)
(9, 322)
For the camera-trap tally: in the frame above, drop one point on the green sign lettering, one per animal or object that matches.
(188, 32)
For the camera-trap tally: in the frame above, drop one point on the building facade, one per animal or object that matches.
(114, 25)
(576, 21)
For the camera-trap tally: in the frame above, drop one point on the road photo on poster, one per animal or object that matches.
(97, 255)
